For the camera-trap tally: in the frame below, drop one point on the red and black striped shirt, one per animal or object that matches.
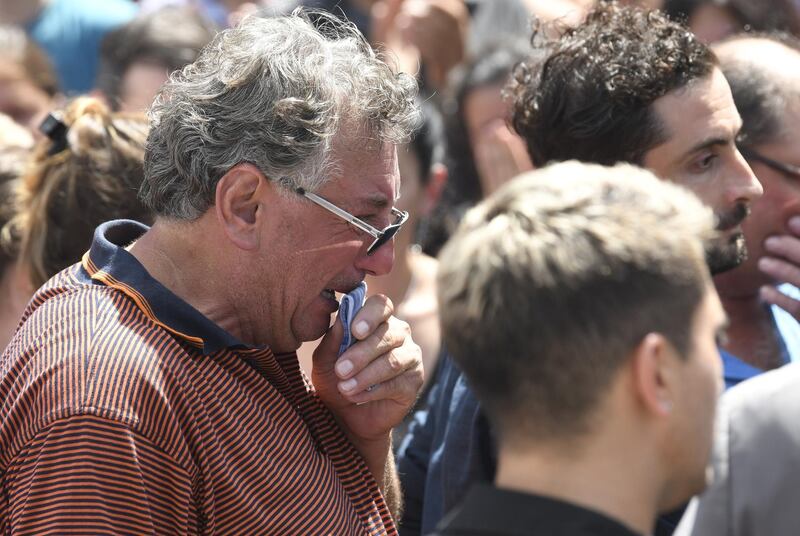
(123, 410)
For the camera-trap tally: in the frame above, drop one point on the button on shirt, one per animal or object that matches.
(123, 410)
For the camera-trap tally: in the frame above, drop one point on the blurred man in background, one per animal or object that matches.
(756, 445)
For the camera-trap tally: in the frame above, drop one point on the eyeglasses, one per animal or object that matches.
(381, 236)
(787, 169)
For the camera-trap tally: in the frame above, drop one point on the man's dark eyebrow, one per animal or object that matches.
(714, 141)
(711, 142)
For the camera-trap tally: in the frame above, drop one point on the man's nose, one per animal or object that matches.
(743, 185)
(380, 262)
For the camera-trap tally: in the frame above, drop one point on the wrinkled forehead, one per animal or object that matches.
(366, 171)
(701, 112)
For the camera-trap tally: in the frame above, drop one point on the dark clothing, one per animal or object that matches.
(448, 448)
(499, 512)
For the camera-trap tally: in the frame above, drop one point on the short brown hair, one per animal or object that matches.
(549, 284)
(64, 196)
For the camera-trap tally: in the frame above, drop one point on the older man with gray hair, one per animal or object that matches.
(154, 388)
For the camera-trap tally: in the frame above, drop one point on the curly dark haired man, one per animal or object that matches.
(626, 85)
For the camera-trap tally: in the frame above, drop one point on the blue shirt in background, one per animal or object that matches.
(70, 32)
(788, 329)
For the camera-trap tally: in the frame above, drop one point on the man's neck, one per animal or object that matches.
(751, 333)
(616, 486)
(177, 258)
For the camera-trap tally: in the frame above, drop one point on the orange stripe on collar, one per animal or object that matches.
(108, 280)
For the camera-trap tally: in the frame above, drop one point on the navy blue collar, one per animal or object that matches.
(108, 263)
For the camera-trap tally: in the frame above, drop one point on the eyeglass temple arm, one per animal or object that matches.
(341, 213)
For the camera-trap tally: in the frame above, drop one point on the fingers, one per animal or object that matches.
(385, 364)
(355, 365)
(780, 270)
(794, 225)
(403, 389)
(785, 246)
(324, 357)
(376, 310)
(773, 296)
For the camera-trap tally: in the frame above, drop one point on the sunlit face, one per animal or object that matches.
(701, 124)
(699, 386)
(319, 254)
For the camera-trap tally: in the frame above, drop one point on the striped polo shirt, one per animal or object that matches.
(123, 410)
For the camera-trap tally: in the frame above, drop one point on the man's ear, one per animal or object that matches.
(434, 188)
(239, 203)
(654, 364)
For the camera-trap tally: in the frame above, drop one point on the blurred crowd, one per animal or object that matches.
(77, 78)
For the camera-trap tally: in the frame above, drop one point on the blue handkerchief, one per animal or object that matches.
(348, 307)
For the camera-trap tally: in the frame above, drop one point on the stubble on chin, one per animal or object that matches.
(726, 253)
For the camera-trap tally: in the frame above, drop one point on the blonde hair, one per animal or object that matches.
(64, 196)
(548, 284)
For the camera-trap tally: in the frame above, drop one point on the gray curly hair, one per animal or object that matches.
(272, 92)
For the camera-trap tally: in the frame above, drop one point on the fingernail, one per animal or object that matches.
(794, 221)
(361, 328)
(771, 242)
(344, 367)
(349, 385)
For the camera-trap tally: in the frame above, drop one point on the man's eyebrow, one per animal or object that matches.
(714, 141)
(378, 201)
(710, 142)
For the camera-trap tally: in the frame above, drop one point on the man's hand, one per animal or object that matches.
(783, 264)
(374, 384)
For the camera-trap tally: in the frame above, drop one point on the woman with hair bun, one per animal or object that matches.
(86, 171)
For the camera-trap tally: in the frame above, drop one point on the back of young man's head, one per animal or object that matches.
(590, 97)
(548, 286)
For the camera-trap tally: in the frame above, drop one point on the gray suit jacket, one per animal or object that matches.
(756, 488)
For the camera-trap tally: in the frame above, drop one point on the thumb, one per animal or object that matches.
(327, 352)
